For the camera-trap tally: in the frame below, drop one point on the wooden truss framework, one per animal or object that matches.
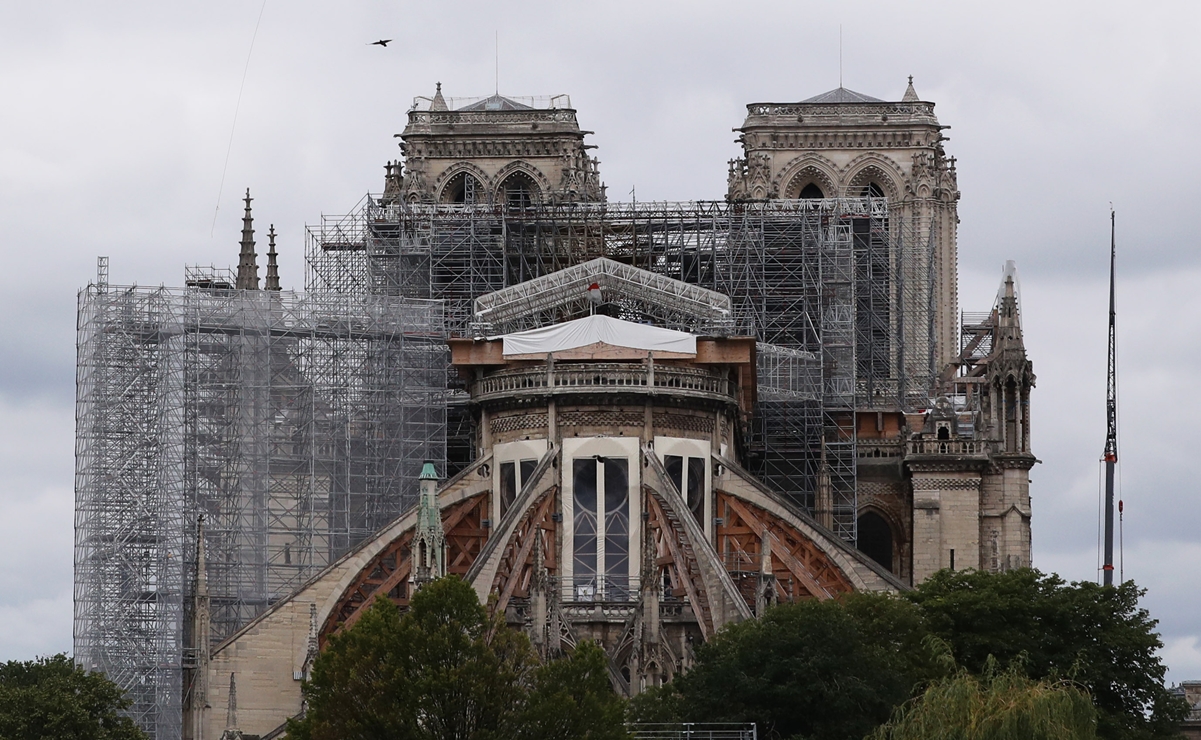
(798, 568)
(515, 574)
(388, 572)
(675, 555)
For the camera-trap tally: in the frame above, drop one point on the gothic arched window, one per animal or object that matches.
(872, 190)
(875, 538)
(812, 190)
(519, 191)
(463, 189)
(601, 524)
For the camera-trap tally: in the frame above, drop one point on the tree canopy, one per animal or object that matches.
(54, 698)
(446, 670)
(1095, 635)
(996, 706)
(573, 698)
(829, 669)
(836, 669)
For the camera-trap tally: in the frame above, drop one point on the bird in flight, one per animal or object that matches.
(381, 42)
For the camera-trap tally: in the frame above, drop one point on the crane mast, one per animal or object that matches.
(1111, 412)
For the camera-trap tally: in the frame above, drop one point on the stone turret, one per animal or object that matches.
(429, 541)
(969, 462)
(1005, 501)
(248, 266)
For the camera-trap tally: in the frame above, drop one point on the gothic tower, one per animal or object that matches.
(499, 150)
(969, 457)
(843, 144)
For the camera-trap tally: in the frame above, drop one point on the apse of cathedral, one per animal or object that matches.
(664, 418)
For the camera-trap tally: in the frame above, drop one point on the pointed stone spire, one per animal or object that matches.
(201, 638)
(272, 266)
(231, 706)
(202, 578)
(1009, 302)
(248, 266)
(439, 102)
(429, 541)
(910, 94)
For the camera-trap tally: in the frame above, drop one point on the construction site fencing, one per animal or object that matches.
(295, 424)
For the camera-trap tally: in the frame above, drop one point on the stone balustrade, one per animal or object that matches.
(606, 378)
(960, 447)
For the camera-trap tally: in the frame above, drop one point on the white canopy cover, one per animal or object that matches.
(597, 329)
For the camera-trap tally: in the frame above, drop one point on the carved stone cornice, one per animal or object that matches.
(473, 148)
(941, 464)
(881, 140)
(1014, 460)
(946, 484)
(420, 119)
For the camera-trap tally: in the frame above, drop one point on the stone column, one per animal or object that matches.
(946, 521)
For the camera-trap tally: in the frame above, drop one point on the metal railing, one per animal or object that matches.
(694, 731)
(590, 589)
(532, 102)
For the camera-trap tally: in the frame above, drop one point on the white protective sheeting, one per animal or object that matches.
(593, 329)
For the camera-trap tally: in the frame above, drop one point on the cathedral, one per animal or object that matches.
(653, 419)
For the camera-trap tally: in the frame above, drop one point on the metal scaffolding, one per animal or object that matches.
(636, 293)
(842, 279)
(295, 424)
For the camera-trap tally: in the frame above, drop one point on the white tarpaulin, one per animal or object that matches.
(594, 329)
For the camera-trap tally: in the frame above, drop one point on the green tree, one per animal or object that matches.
(996, 706)
(446, 670)
(831, 669)
(573, 698)
(53, 698)
(1095, 635)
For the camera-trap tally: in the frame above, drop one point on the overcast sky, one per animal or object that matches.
(115, 120)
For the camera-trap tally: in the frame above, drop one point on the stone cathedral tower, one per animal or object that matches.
(495, 150)
(947, 486)
(843, 144)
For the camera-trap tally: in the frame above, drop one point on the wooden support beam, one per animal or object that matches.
(795, 566)
(393, 580)
(657, 518)
(532, 530)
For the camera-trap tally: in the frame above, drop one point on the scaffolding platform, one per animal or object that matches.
(295, 424)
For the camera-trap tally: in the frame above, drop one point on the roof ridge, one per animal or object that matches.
(842, 95)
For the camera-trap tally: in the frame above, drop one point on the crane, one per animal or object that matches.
(1111, 411)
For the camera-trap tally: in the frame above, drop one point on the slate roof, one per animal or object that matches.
(842, 95)
(496, 102)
